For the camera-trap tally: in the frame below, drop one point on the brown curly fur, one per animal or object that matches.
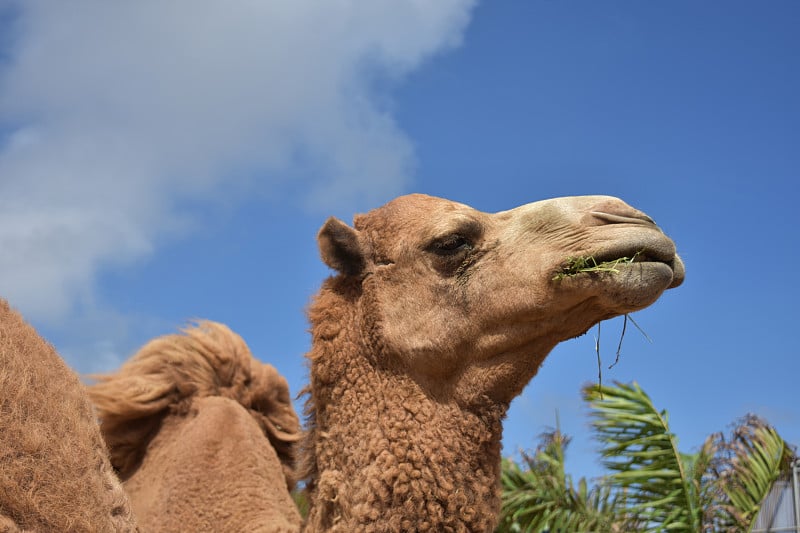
(437, 318)
(381, 454)
(54, 471)
(185, 420)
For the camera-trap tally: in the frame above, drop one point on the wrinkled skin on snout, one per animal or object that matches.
(467, 298)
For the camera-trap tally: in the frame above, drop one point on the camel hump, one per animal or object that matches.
(164, 377)
(55, 473)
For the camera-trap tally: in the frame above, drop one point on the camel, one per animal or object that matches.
(435, 318)
(55, 474)
(201, 434)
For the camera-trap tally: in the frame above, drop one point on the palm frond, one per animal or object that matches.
(542, 497)
(642, 455)
(750, 462)
(699, 468)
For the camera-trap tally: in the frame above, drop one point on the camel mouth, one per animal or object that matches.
(663, 260)
(664, 253)
(656, 259)
(674, 268)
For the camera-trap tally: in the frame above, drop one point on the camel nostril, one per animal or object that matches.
(635, 217)
(610, 210)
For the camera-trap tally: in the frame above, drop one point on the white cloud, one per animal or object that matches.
(111, 113)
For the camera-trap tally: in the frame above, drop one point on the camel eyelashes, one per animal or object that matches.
(461, 238)
(451, 244)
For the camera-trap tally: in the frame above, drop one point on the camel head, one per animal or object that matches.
(470, 303)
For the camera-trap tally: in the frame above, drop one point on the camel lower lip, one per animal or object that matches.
(673, 269)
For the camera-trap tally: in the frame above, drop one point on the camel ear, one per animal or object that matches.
(339, 247)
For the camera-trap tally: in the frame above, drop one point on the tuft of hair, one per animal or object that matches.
(169, 372)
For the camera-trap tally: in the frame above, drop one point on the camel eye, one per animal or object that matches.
(451, 244)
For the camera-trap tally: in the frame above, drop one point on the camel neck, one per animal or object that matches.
(387, 456)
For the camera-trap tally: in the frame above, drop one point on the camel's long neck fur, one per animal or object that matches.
(384, 455)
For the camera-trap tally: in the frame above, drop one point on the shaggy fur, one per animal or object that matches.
(391, 457)
(438, 317)
(202, 434)
(54, 471)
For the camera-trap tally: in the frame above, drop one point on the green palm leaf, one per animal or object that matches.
(642, 455)
(751, 460)
(651, 485)
(542, 497)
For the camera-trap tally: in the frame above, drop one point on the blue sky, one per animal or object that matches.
(162, 162)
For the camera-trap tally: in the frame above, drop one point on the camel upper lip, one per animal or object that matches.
(637, 255)
(647, 255)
